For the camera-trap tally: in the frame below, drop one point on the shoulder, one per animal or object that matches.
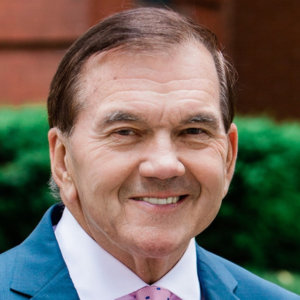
(7, 260)
(22, 263)
(248, 285)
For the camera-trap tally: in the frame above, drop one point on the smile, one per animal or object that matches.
(160, 201)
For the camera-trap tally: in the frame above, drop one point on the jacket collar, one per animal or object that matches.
(216, 281)
(39, 269)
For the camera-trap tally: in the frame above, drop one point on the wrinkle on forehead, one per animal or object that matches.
(127, 84)
(146, 90)
(186, 74)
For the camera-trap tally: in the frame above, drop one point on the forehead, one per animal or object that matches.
(180, 62)
(135, 79)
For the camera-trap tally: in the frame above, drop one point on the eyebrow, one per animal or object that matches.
(202, 118)
(120, 116)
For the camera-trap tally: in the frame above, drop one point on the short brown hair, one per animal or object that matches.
(144, 29)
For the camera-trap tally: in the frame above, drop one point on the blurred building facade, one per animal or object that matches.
(261, 37)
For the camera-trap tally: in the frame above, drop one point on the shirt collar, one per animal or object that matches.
(95, 272)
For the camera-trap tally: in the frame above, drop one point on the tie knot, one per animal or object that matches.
(150, 293)
(153, 293)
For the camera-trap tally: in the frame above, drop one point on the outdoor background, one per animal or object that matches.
(258, 225)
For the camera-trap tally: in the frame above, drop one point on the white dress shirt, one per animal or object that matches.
(98, 275)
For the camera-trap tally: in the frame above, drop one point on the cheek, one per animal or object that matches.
(98, 183)
(103, 170)
(209, 168)
(208, 205)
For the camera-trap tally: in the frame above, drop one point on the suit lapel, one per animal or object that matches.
(39, 270)
(216, 282)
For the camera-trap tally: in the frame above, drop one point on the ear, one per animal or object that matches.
(60, 169)
(232, 137)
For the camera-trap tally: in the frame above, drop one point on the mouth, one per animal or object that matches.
(161, 201)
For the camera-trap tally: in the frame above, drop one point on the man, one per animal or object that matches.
(143, 150)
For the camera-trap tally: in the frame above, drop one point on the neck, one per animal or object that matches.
(148, 267)
(148, 262)
(151, 270)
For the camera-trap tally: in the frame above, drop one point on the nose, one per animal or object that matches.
(161, 161)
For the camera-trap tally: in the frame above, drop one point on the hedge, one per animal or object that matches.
(24, 172)
(258, 224)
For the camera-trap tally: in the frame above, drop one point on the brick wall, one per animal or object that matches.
(266, 50)
(34, 35)
(263, 37)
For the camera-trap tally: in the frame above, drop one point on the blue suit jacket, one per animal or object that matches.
(36, 270)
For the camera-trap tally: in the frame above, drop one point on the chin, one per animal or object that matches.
(159, 247)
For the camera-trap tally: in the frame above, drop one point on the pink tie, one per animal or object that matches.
(150, 293)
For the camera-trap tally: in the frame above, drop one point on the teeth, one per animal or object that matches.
(160, 201)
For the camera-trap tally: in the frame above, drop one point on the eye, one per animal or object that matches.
(193, 131)
(125, 132)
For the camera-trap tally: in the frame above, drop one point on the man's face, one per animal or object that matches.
(148, 162)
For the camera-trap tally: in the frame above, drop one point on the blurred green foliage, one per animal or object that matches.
(24, 172)
(284, 278)
(258, 224)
